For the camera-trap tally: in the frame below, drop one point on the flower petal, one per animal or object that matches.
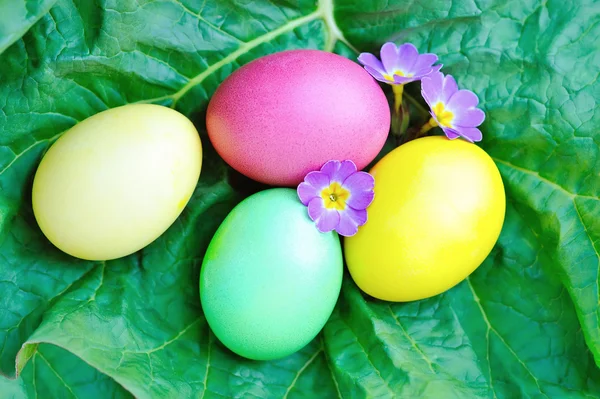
(330, 168)
(376, 74)
(312, 185)
(468, 118)
(346, 169)
(435, 68)
(347, 227)
(426, 95)
(350, 219)
(360, 185)
(325, 219)
(338, 171)
(316, 208)
(307, 192)
(407, 57)
(318, 180)
(389, 56)
(424, 62)
(426, 72)
(471, 134)
(368, 59)
(462, 104)
(328, 221)
(431, 87)
(463, 99)
(361, 200)
(450, 133)
(449, 88)
(400, 80)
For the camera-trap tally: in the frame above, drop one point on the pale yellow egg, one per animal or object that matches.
(116, 181)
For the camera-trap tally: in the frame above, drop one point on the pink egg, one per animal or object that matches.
(286, 114)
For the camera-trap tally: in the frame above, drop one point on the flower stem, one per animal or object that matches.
(400, 117)
(416, 104)
(427, 127)
(398, 90)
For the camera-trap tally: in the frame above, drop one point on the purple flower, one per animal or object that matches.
(337, 197)
(399, 65)
(455, 111)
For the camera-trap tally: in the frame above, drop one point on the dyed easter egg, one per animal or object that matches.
(438, 210)
(286, 114)
(115, 182)
(270, 280)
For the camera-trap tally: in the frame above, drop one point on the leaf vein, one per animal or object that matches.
(301, 370)
(411, 340)
(492, 329)
(56, 373)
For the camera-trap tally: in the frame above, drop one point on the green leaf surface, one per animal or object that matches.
(54, 372)
(525, 324)
(17, 16)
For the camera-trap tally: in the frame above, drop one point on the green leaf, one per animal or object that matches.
(12, 389)
(56, 373)
(518, 327)
(17, 16)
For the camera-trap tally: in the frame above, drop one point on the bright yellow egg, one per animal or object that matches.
(438, 210)
(116, 181)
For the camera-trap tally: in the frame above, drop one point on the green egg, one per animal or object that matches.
(270, 279)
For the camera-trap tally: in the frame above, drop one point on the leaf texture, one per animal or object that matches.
(525, 324)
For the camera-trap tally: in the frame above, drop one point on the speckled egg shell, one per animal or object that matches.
(286, 114)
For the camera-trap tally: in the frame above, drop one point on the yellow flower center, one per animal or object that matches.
(335, 196)
(444, 117)
(398, 72)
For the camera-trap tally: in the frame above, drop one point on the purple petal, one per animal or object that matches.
(468, 118)
(347, 227)
(312, 185)
(338, 171)
(376, 74)
(325, 219)
(403, 79)
(450, 133)
(316, 208)
(389, 56)
(360, 200)
(426, 72)
(350, 219)
(307, 192)
(368, 59)
(424, 62)
(435, 68)
(462, 104)
(471, 134)
(360, 185)
(425, 95)
(407, 57)
(449, 88)
(328, 221)
(347, 168)
(431, 87)
(329, 168)
(463, 99)
(318, 180)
